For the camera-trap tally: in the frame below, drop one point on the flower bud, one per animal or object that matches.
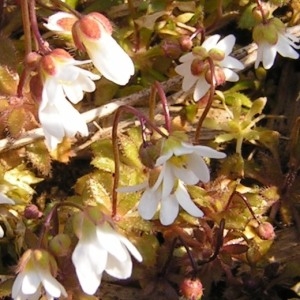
(198, 66)
(90, 27)
(191, 289)
(200, 51)
(32, 59)
(149, 153)
(171, 48)
(60, 245)
(186, 43)
(265, 231)
(32, 212)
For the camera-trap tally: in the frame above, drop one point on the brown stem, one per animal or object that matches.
(165, 106)
(42, 44)
(26, 26)
(51, 216)
(143, 119)
(209, 102)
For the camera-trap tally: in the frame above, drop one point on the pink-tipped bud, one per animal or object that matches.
(90, 27)
(32, 212)
(265, 231)
(191, 289)
(186, 43)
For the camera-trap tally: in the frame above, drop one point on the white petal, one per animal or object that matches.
(269, 54)
(5, 200)
(230, 75)
(17, 286)
(168, 180)
(198, 166)
(110, 59)
(1, 232)
(188, 78)
(186, 202)
(119, 269)
(206, 151)
(163, 158)
(169, 210)
(187, 57)
(285, 49)
(231, 63)
(211, 42)
(132, 249)
(226, 44)
(186, 175)
(31, 282)
(52, 286)
(109, 240)
(201, 88)
(89, 260)
(148, 204)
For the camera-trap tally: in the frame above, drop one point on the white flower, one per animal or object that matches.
(92, 33)
(271, 38)
(36, 270)
(180, 163)
(196, 69)
(4, 200)
(61, 79)
(100, 248)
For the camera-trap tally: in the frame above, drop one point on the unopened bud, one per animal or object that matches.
(265, 231)
(32, 59)
(60, 245)
(186, 43)
(191, 289)
(200, 51)
(199, 66)
(149, 152)
(171, 48)
(32, 212)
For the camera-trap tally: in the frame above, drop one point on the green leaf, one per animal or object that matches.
(39, 156)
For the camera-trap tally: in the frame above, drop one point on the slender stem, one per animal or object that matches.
(152, 103)
(42, 44)
(209, 102)
(165, 106)
(264, 19)
(245, 200)
(143, 119)
(47, 223)
(199, 30)
(26, 26)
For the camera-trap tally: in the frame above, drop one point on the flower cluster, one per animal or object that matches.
(271, 37)
(211, 56)
(59, 78)
(100, 248)
(37, 269)
(180, 163)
